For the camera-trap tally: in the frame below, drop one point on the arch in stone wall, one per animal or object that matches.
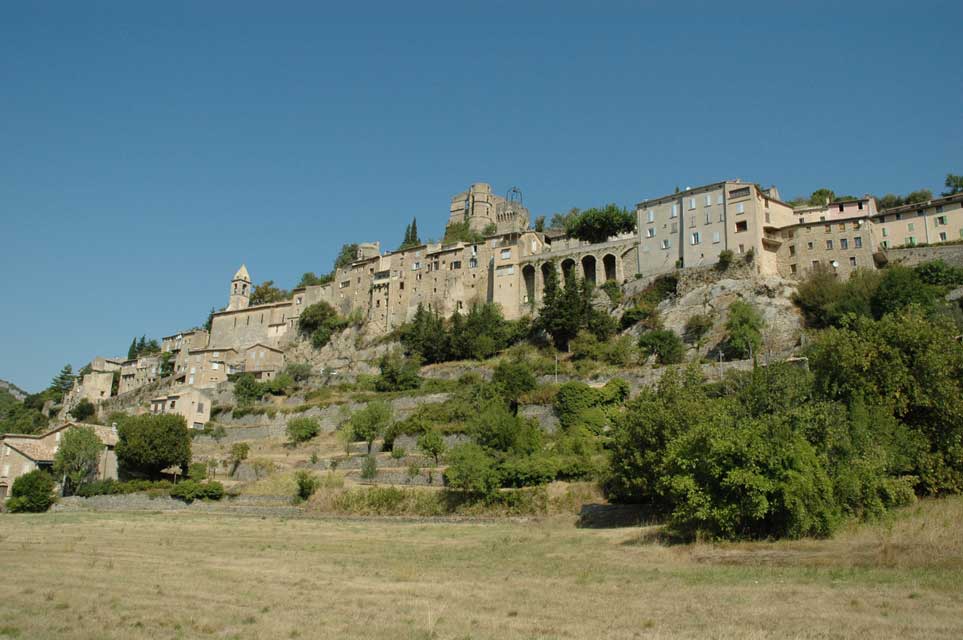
(568, 267)
(589, 264)
(528, 277)
(610, 264)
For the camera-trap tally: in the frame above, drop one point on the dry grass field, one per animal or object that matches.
(195, 575)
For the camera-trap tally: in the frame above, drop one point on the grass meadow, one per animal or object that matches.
(197, 575)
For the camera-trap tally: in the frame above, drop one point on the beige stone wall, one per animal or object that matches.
(261, 357)
(138, 372)
(13, 464)
(207, 368)
(242, 328)
(192, 404)
(850, 243)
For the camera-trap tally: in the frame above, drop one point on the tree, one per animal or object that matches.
(539, 224)
(743, 330)
(167, 364)
(208, 323)
(132, 350)
(302, 429)
(899, 288)
(432, 444)
(512, 378)
(148, 444)
(347, 255)
(560, 220)
(83, 410)
(31, 493)
(472, 471)
(77, 457)
(266, 292)
(953, 184)
(918, 197)
(567, 310)
(889, 201)
(398, 373)
(426, 336)
(320, 321)
(311, 279)
(598, 225)
(239, 453)
(371, 422)
(664, 344)
(64, 380)
(821, 197)
(247, 390)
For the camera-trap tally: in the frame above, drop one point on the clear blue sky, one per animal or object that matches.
(147, 149)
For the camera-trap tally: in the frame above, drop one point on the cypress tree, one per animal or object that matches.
(132, 351)
(414, 232)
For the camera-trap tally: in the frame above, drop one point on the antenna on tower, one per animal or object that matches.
(514, 196)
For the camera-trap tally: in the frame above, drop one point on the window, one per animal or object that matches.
(885, 244)
(792, 269)
(716, 237)
(842, 226)
(215, 366)
(942, 236)
(840, 206)
(852, 261)
(828, 228)
(344, 284)
(739, 193)
(860, 205)
(200, 407)
(858, 242)
(675, 227)
(666, 244)
(829, 244)
(695, 238)
(941, 221)
(939, 209)
(414, 266)
(708, 217)
(506, 254)
(741, 226)
(455, 264)
(719, 199)
(899, 216)
(650, 232)
(692, 221)
(692, 203)
(844, 243)
(911, 240)
(505, 270)
(651, 215)
(708, 200)
(885, 232)
(792, 250)
(675, 211)
(815, 263)
(810, 246)
(473, 263)
(741, 207)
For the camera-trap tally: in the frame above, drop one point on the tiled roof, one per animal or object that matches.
(36, 450)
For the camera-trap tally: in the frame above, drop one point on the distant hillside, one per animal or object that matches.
(15, 391)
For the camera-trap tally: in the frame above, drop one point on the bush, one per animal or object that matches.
(307, 484)
(432, 444)
(369, 467)
(398, 373)
(197, 471)
(148, 444)
(497, 429)
(372, 421)
(83, 410)
(664, 344)
(113, 487)
(397, 453)
(320, 321)
(298, 371)
(302, 429)
(743, 330)
(191, 490)
(725, 259)
(528, 471)
(31, 493)
(472, 471)
(643, 313)
(512, 379)
(612, 290)
(696, 327)
(247, 390)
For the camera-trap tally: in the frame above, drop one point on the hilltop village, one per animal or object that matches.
(507, 262)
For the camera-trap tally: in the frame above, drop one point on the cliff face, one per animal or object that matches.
(18, 393)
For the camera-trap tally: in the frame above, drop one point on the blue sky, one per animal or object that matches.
(147, 149)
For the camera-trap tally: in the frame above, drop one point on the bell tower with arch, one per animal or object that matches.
(240, 290)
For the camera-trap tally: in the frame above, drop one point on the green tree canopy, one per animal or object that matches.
(598, 225)
(266, 292)
(953, 184)
(77, 457)
(347, 255)
(371, 422)
(148, 444)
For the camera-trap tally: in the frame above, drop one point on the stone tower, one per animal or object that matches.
(240, 290)
(483, 210)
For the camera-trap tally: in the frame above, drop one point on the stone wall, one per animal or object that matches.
(950, 253)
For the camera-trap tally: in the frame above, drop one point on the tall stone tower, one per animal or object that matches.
(240, 290)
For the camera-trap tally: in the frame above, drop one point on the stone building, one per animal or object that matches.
(179, 346)
(20, 454)
(193, 404)
(932, 222)
(137, 372)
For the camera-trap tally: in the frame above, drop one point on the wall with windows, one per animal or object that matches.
(841, 245)
(933, 222)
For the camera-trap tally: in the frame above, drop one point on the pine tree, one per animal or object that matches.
(64, 380)
(132, 351)
(414, 232)
(141, 346)
(407, 240)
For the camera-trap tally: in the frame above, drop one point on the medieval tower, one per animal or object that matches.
(240, 290)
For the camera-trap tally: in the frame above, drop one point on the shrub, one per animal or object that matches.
(397, 453)
(307, 483)
(398, 373)
(320, 321)
(197, 471)
(725, 259)
(191, 490)
(432, 444)
(612, 290)
(512, 379)
(643, 313)
(148, 444)
(664, 344)
(471, 471)
(528, 471)
(83, 410)
(899, 288)
(369, 467)
(371, 422)
(302, 429)
(696, 327)
(247, 390)
(298, 371)
(31, 493)
(498, 429)
(239, 453)
(743, 330)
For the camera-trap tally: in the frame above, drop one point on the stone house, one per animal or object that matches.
(20, 454)
(933, 222)
(209, 367)
(138, 372)
(262, 360)
(193, 404)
